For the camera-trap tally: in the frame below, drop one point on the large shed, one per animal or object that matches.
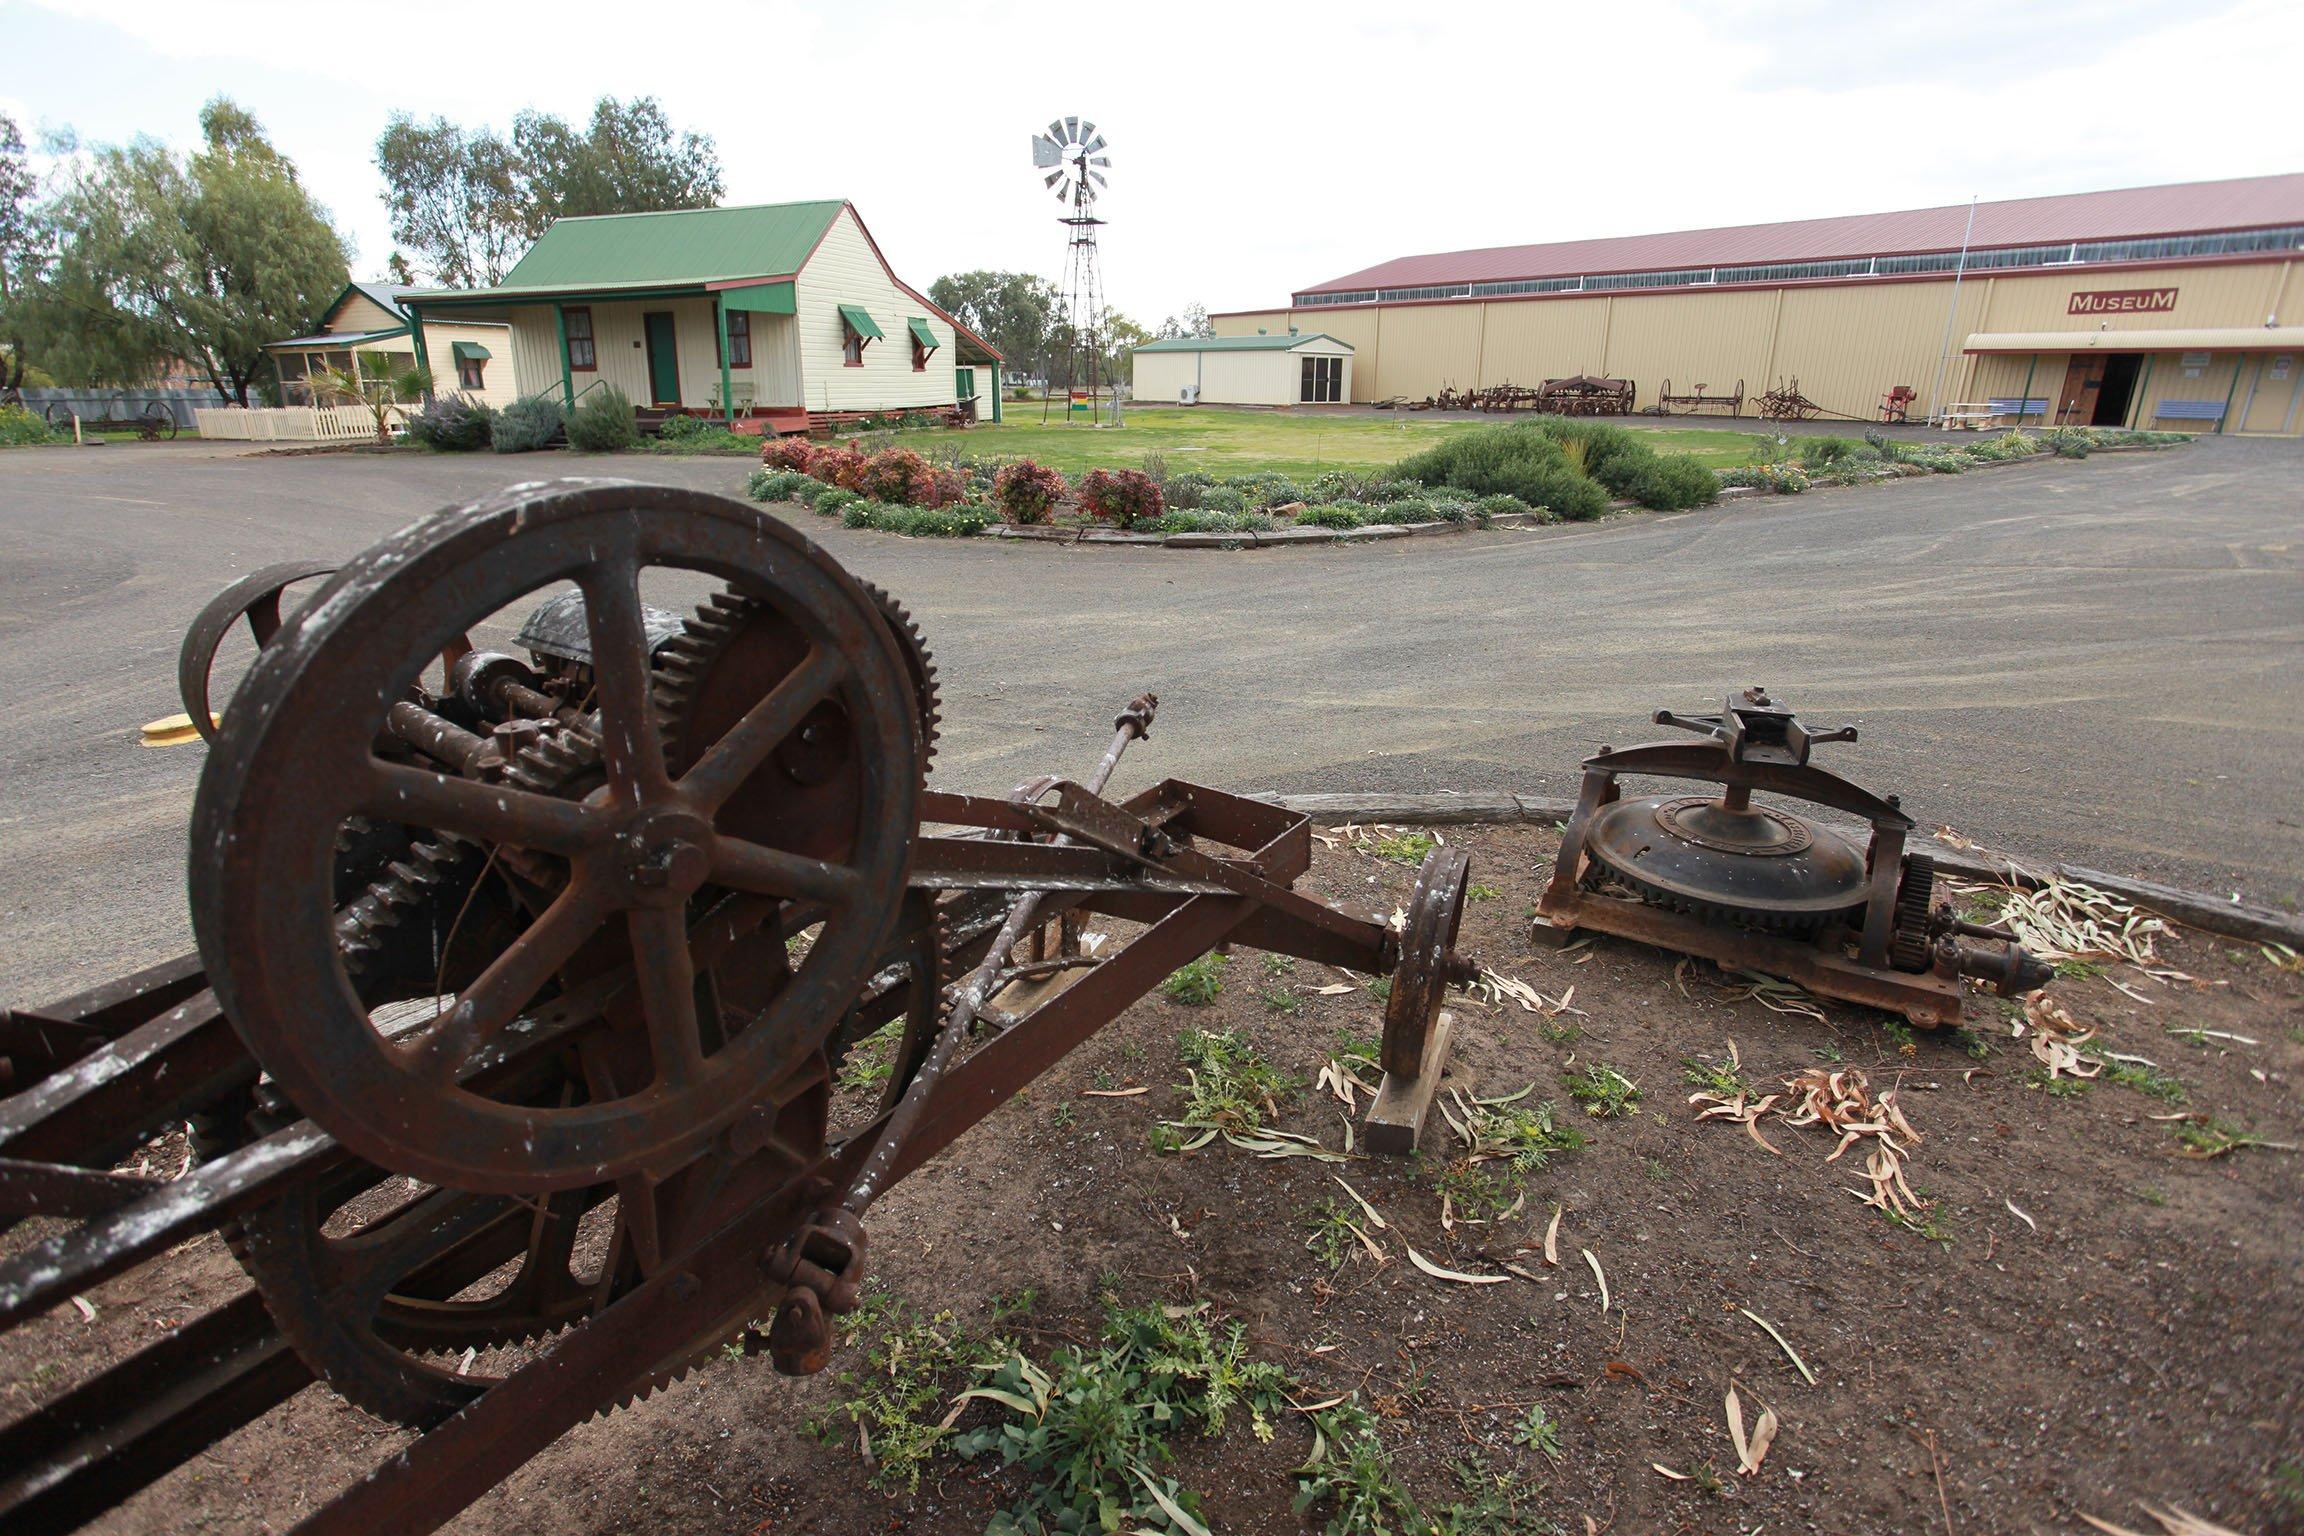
(2170, 306)
(1286, 368)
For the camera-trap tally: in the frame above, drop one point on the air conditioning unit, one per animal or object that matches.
(1189, 394)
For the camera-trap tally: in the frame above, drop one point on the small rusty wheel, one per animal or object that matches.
(297, 757)
(254, 597)
(1428, 961)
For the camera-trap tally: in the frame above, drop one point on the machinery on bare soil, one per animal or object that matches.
(1752, 885)
(508, 1052)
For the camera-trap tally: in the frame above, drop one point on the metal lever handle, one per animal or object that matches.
(1702, 725)
(1837, 733)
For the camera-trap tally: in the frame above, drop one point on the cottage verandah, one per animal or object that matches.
(768, 318)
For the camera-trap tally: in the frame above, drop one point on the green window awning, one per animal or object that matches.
(861, 323)
(921, 334)
(761, 299)
(470, 352)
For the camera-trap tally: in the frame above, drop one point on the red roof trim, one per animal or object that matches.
(1686, 290)
(726, 283)
(2257, 202)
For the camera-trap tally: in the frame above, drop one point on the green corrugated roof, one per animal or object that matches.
(1280, 343)
(686, 245)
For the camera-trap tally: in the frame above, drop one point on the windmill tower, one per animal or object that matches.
(1071, 157)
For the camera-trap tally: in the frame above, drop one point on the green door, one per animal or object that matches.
(663, 360)
(963, 383)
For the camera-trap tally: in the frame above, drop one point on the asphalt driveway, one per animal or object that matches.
(2095, 662)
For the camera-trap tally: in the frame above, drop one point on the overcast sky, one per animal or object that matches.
(1256, 148)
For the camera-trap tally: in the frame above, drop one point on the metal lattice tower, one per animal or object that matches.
(1071, 156)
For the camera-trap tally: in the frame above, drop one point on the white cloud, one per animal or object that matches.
(1259, 148)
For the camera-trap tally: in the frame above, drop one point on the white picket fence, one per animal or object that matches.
(294, 423)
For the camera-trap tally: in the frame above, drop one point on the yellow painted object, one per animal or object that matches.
(173, 730)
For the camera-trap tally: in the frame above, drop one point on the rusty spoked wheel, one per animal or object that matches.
(1429, 964)
(645, 852)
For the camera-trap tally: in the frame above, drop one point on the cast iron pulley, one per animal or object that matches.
(1429, 964)
(1754, 865)
(647, 853)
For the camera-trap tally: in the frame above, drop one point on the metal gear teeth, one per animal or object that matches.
(405, 885)
(1908, 943)
(1742, 917)
(683, 661)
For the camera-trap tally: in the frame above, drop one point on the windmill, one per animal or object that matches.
(1072, 160)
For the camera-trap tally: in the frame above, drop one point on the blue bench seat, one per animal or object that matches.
(2189, 410)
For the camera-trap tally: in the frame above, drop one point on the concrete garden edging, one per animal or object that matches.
(2196, 909)
(1249, 539)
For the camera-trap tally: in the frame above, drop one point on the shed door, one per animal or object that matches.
(963, 383)
(2270, 397)
(663, 360)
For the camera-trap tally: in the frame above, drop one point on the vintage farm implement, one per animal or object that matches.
(1584, 395)
(1786, 403)
(1759, 886)
(508, 1052)
(1669, 404)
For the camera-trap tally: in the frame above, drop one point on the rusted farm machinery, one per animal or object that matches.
(509, 1046)
(1585, 395)
(1747, 885)
(1786, 403)
(1670, 404)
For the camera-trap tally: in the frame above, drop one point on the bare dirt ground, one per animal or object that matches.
(2086, 1317)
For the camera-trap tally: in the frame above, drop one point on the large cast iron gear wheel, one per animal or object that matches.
(687, 668)
(1911, 943)
(751, 803)
(1756, 868)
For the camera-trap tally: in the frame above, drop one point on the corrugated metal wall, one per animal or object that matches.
(1848, 345)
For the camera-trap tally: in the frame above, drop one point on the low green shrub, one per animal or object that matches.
(603, 423)
(527, 424)
(20, 428)
(837, 501)
(2068, 442)
(1223, 498)
(680, 428)
(1669, 483)
(1384, 492)
(1819, 452)
(1777, 479)
(1201, 520)
(1186, 488)
(1333, 515)
(1339, 485)
(1522, 460)
(1501, 504)
(778, 485)
(452, 424)
(1265, 489)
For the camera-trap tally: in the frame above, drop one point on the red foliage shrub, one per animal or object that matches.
(895, 475)
(837, 465)
(944, 487)
(1027, 492)
(795, 453)
(1123, 496)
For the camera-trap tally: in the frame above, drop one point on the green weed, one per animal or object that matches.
(1349, 1475)
(1538, 1432)
(871, 1059)
(896, 1398)
(1405, 847)
(1604, 1092)
(1723, 1077)
(1280, 1000)
(1482, 893)
(1198, 984)
(1229, 1086)
(2057, 1087)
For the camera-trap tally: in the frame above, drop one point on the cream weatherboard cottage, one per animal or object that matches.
(467, 354)
(769, 317)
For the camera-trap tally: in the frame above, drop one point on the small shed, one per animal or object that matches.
(1263, 369)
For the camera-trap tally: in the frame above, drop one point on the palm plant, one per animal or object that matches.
(370, 382)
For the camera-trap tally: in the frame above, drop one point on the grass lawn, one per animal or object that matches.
(1233, 442)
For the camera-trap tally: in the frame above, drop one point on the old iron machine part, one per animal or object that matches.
(1747, 885)
(523, 982)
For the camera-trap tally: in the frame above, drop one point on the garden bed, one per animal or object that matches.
(2097, 1305)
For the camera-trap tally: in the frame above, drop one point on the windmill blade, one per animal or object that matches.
(1100, 181)
(1101, 160)
(1087, 129)
(1051, 178)
(1056, 129)
(1046, 152)
(1095, 144)
(1071, 130)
